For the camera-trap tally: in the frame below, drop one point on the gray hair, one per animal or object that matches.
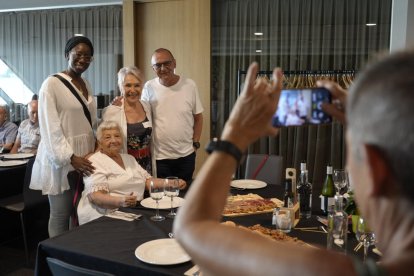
(106, 125)
(161, 50)
(129, 70)
(380, 112)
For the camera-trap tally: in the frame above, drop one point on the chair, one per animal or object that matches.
(21, 203)
(61, 268)
(267, 168)
(76, 185)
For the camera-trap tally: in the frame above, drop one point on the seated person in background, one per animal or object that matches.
(28, 134)
(118, 180)
(380, 161)
(8, 131)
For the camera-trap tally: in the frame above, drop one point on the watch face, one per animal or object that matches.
(196, 145)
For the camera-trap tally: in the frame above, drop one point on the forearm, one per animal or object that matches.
(159, 182)
(15, 146)
(198, 127)
(105, 200)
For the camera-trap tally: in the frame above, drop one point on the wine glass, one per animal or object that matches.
(157, 193)
(171, 190)
(340, 180)
(365, 235)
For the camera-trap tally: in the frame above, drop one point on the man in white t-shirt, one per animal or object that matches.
(177, 117)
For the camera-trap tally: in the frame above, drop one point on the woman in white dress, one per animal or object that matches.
(67, 134)
(118, 180)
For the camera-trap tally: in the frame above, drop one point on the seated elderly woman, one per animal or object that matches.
(118, 180)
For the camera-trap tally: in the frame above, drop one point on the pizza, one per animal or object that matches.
(269, 233)
(239, 205)
(274, 234)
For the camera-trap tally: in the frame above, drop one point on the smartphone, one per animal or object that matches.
(299, 107)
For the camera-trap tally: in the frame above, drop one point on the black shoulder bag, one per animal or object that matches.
(70, 87)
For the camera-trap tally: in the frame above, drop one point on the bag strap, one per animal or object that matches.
(75, 200)
(70, 87)
(260, 166)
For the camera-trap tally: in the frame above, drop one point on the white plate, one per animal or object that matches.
(248, 184)
(12, 163)
(18, 155)
(162, 252)
(164, 203)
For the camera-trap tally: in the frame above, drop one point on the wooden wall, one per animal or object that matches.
(182, 26)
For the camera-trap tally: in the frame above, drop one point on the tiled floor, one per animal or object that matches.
(12, 255)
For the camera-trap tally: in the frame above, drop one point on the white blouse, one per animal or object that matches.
(112, 178)
(64, 130)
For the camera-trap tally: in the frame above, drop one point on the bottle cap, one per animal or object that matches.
(303, 166)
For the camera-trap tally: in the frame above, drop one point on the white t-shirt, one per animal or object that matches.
(173, 109)
(112, 178)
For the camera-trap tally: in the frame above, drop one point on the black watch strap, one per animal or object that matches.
(225, 146)
(196, 145)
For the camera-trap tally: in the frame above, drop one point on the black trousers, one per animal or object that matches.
(182, 167)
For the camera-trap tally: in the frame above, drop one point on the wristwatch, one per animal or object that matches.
(196, 145)
(225, 146)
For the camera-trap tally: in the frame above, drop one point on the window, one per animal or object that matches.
(14, 90)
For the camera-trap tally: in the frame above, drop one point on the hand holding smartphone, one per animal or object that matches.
(302, 107)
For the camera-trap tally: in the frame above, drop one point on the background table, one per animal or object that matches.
(11, 180)
(108, 244)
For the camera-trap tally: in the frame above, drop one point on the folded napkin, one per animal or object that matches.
(123, 215)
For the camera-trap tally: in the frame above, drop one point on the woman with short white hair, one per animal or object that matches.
(118, 180)
(134, 117)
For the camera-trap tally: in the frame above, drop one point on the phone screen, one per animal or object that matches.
(302, 107)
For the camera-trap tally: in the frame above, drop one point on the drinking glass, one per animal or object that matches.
(157, 193)
(340, 180)
(171, 190)
(284, 221)
(364, 235)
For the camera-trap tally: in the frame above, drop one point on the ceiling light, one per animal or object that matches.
(78, 34)
(371, 24)
(258, 33)
(258, 51)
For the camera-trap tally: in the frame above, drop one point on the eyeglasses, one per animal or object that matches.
(86, 58)
(157, 66)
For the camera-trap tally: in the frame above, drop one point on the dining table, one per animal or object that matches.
(108, 244)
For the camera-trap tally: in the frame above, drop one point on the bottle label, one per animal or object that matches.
(329, 170)
(326, 202)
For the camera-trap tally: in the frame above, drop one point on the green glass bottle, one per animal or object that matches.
(328, 191)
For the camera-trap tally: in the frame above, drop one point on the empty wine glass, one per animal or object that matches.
(157, 193)
(340, 180)
(365, 235)
(171, 190)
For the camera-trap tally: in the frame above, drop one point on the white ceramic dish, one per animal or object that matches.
(15, 156)
(162, 252)
(248, 184)
(12, 163)
(164, 203)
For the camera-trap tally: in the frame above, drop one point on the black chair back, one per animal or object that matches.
(267, 168)
(76, 184)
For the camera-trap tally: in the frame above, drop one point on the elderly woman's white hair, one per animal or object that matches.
(129, 70)
(105, 125)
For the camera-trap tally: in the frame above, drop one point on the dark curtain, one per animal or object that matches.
(297, 35)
